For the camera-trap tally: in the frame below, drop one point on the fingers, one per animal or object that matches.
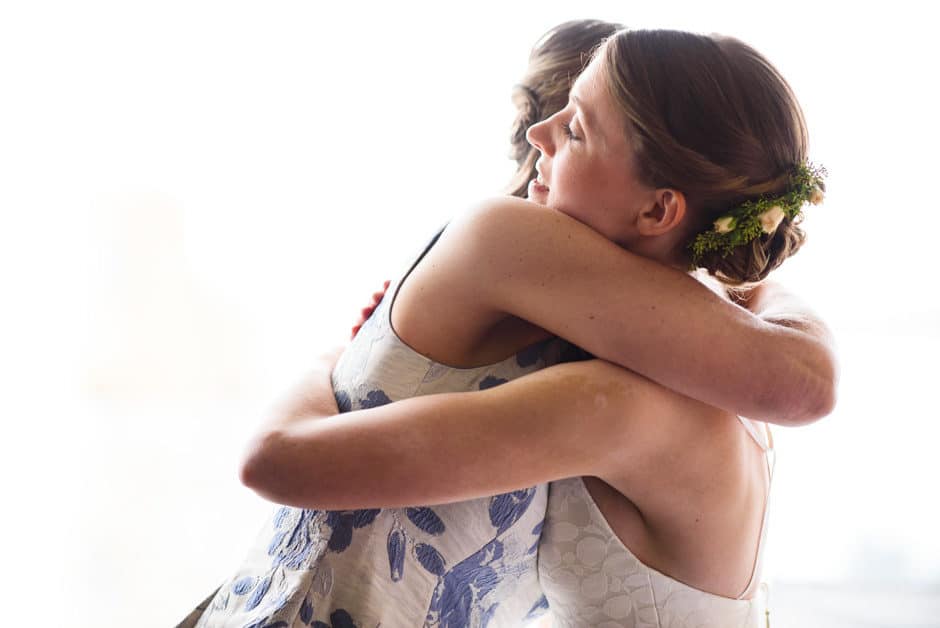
(367, 311)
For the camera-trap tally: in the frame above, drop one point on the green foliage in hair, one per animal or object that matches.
(751, 219)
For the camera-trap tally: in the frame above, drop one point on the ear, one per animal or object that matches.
(665, 213)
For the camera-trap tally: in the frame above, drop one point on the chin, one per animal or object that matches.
(540, 199)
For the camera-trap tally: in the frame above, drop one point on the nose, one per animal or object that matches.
(539, 135)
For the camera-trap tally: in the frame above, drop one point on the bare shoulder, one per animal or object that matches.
(453, 305)
(492, 230)
(513, 228)
(498, 209)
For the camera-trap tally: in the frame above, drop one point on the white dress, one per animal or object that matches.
(592, 579)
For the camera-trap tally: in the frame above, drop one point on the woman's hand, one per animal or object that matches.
(366, 312)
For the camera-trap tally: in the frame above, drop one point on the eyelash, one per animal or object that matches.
(569, 132)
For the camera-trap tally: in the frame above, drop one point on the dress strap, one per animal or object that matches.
(414, 264)
(761, 437)
(764, 440)
(398, 284)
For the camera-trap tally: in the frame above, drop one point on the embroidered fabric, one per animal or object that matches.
(470, 563)
(592, 579)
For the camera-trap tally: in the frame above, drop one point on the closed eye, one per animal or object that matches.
(569, 133)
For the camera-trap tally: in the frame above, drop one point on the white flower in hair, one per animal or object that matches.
(725, 224)
(770, 219)
(816, 196)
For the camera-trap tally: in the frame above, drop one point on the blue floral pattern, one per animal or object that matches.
(425, 520)
(396, 553)
(506, 509)
(455, 565)
(297, 530)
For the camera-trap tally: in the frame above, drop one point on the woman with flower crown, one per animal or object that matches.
(673, 149)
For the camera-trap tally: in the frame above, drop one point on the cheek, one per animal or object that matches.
(578, 178)
(615, 184)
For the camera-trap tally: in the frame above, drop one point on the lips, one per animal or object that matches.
(537, 192)
(539, 178)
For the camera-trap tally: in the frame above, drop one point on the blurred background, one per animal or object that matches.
(197, 197)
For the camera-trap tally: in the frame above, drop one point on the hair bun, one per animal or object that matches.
(752, 262)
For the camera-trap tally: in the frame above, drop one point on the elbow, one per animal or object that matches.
(275, 468)
(829, 394)
(818, 395)
(817, 405)
(259, 469)
(825, 387)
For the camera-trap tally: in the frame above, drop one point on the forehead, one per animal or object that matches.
(589, 81)
(598, 106)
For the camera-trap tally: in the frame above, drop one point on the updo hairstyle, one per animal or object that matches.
(710, 117)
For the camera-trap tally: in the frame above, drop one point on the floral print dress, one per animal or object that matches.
(470, 563)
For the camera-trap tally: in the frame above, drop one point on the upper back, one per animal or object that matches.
(683, 549)
(683, 495)
(696, 511)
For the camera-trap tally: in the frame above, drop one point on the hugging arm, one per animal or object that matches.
(582, 418)
(563, 421)
(547, 268)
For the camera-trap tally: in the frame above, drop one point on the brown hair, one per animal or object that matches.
(555, 62)
(711, 117)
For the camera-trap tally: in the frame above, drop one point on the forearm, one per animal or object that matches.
(575, 419)
(770, 358)
(802, 359)
(811, 343)
(776, 365)
(493, 441)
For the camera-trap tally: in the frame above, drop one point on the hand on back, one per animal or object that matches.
(366, 312)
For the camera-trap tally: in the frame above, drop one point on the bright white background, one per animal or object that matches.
(197, 196)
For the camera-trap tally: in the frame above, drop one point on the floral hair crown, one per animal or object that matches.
(750, 219)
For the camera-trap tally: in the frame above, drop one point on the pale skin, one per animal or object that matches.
(663, 452)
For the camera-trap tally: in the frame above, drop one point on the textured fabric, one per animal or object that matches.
(592, 579)
(471, 563)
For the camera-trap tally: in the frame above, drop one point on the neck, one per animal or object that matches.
(667, 249)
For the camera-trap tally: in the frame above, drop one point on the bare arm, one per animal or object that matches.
(586, 418)
(517, 258)
(774, 304)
